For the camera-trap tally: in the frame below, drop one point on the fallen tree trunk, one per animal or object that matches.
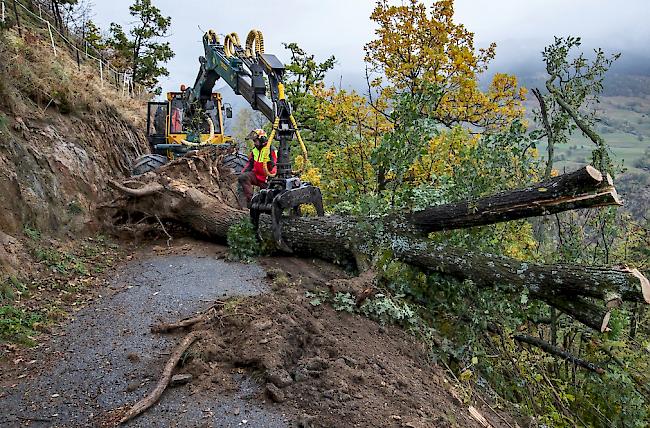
(582, 310)
(560, 286)
(584, 188)
(606, 284)
(197, 191)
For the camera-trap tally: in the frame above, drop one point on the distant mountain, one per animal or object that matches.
(629, 76)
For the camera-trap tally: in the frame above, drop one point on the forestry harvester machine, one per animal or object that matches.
(193, 118)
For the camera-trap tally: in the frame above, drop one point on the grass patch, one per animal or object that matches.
(75, 208)
(63, 277)
(18, 325)
(11, 288)
(32, 233)
(60, 261)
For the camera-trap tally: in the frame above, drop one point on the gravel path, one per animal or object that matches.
(106, 357)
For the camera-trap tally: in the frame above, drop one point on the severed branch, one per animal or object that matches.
(154, 395)
(187, 322)
(584, 188)
(554, 350)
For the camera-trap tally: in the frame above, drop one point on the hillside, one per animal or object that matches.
(63, 134)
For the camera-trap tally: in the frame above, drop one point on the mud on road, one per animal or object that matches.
(273, 359)
(106, 356)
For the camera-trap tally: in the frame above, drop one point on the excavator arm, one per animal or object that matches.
(243, 69)
(258, 77)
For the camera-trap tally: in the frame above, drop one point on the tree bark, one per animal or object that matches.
(154, 395)
(584, 188)
(199, 192)
(580, 309)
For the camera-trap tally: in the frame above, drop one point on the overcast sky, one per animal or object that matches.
(521, 28)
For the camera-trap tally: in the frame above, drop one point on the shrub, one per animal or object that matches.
(242, 241)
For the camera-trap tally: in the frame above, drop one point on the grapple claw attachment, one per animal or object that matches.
(276, 200)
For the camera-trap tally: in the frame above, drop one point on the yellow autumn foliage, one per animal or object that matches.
(416, 44)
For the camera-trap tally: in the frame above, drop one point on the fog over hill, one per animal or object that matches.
(341, 28)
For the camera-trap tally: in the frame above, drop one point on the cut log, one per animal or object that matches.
(539, 279)
(580, 309)
(584, 188)
(197, 192)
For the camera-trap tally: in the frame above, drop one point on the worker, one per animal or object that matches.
(260, 166)
(177, 117)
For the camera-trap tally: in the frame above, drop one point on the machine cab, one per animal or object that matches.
(171, 129)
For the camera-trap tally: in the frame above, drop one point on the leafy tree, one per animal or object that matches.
(304, 76)
(142, 51)
(426, 83)
(574, 86)
(93, 36)
(427, 133)
(416, 46)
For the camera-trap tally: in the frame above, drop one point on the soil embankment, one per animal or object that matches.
(63, 134)
(273, 358)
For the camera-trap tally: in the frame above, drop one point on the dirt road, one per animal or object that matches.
(106, 357)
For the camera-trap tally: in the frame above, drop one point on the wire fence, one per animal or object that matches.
(77, 45)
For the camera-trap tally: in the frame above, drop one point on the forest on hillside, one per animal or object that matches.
(425, 132)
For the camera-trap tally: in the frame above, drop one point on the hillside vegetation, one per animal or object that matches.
(425, 134)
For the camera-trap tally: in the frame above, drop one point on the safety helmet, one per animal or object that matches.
(256, 133)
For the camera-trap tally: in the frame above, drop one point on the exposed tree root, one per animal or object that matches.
(204, 316)
(154, 395)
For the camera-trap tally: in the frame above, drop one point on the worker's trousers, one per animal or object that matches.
(246, 182)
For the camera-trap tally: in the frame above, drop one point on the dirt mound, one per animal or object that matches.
(333, 368)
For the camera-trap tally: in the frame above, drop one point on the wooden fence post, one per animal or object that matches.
(49, 28)
(20, 31)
